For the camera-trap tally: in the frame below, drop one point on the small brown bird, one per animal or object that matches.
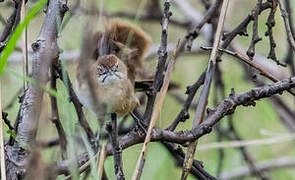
(116, 61)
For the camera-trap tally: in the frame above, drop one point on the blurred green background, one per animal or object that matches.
(249, 121)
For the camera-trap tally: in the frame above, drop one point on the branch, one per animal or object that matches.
(2, 151)
(45, 50)
(226, 107)
(210, 13)
(78, 106)
(162, 52)
(191, 92)
(197, 168)
(287, 26)
(11, 24)
(203, 99)
(255, 36)
(117, 151)
(270, 24)
(55, 116)
(241, 29)
(140, 163)
(6, 121)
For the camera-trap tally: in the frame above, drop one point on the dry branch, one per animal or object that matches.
(45, 50)
(2, 153)
(287, 26)
(226, 107)
(203, 99)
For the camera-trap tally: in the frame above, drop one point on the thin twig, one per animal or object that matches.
(6, 121)
(55, 116)
(289, 57)
(211, 12)
(270, 24)
(25, 45)
(255, 36)
(117, 152)
(156, 112)
(101, 160)
(162, 52)
(246, 60)
(78, 106)
(287, 26)
(11, 24)
(205, 91)
(3, 169)
(225, 107)
(197, 167)
(191, 92)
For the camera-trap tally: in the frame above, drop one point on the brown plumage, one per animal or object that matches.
(116, 60)
(125, 40)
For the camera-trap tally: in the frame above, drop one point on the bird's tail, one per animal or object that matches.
(132, 36)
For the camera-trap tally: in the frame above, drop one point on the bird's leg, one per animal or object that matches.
(117, 151)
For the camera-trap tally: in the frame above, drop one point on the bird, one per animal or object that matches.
(113, 66)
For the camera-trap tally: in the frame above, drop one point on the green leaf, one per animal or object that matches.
(9, 48)
(11, 133)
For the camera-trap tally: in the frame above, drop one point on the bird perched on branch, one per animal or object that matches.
(115, 61)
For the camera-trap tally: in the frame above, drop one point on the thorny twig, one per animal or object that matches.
(241, 29)
(207, 17)
(270, 24)
(255, 36)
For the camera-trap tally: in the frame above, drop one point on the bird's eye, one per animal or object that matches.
(101, 70)
(117, 49)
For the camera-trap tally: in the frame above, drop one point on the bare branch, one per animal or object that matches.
(162, 52)
(55, 116)
(45, 50)
(287, 25)
(203, 99)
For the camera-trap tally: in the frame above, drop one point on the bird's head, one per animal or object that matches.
(110, 69)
